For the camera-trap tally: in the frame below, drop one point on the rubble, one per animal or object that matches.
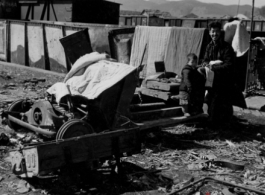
(170, 160)
(5, 75)
(4, 139)
(23, 187)
(244, 155)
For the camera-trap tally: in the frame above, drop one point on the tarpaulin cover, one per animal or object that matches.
(91, 75)
(168, 44)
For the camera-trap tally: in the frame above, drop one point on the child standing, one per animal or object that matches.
(191, 90)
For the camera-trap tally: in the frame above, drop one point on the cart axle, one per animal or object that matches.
(31, 127)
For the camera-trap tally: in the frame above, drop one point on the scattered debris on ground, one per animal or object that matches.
(171, 157)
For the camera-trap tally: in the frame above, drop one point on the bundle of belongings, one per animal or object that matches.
(237, 35)
(91, 75)
(162, 85)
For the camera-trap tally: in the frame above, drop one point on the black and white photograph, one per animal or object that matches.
(132, 97)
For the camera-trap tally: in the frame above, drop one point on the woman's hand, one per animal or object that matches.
(213, 63)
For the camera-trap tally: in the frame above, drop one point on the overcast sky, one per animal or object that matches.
(258, 3)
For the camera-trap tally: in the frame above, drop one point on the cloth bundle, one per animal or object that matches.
(91, 75)
(209, 77)
(208, 74)
(237, 35)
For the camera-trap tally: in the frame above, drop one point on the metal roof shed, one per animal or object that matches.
(85, 11)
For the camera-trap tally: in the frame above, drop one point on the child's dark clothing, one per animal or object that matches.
(191, 90)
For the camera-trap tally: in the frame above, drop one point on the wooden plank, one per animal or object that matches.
(52, 155)
(2, 41)
(56, 53)
(256, 113)
(263, 114)
(157, 94)
(246, 111)
(8, 41)
(147, 106)
(237, 109)
(98, 34)
(26, 45)
(170, 121)
(188, 23)
(173, 87)
(158, 113)
(17, 42)
(68, 63)
(36, 46)
(45, 48)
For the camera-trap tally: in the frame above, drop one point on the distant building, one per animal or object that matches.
(151, 12)
(206, 16)
(226, 17)
(241, 17)
(166, 15)
(132, 18)
(156, 17)
(86, 11)
(129, 13)
(259, 17)
(190, 15)
(149, 17)
(9, 9)
(157, 13)
(213, 16)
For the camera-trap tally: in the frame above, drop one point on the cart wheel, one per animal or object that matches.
(74, 128)
(16, 106)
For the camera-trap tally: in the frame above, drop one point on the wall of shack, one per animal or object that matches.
(36, 43)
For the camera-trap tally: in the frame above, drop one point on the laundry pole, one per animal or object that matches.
(249, 50)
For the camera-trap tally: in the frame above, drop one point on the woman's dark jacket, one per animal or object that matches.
(223, 73)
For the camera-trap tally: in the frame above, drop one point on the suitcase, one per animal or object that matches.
(172, 87)
(164, 95)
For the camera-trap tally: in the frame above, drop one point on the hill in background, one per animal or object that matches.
(184, 7)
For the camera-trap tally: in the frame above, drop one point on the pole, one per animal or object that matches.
(53, 10)
(31, 127)
(43, 11)
(238, 7)
(249, 50)
(48, 9)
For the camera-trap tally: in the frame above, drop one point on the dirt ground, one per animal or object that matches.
(171, 157)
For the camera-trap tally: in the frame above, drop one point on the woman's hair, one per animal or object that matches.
(215, 24)
(192, 56)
